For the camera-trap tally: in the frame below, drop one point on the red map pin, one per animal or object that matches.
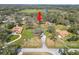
(39, 16)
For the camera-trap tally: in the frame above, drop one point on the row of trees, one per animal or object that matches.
(66, 18)
(63, 17)
(54, 35)
(6, 14)
(10, 50)
(66, 51)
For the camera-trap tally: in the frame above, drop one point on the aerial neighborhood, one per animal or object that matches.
(45, 30)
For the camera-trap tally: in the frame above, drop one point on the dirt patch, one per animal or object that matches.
(49, 42)
(54, 44)
(33, 43)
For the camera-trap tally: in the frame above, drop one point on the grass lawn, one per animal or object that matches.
(73, 44)
(12, 37)
(61, 27)
(58, 44)
(27, 34)
(35, 42)
(30, 10)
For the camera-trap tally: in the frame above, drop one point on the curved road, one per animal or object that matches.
(13, 40)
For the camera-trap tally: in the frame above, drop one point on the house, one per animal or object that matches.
(62, 33)
(77, 31)
(48, 23)
(17, 29)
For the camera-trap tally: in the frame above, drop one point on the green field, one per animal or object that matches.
(31, 10)
(73, 44)
(26, 33)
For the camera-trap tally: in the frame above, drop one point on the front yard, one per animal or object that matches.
(58, 44)
(52, 44)
(28, 39)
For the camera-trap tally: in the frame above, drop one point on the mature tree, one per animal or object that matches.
(73, 53)
(73, 37)
(66, 52)
(63, 51)
(29, 23)
(10, 25)
(74, 28)
(53, 34)
(18, 20)
(10, 50)
(3, 34)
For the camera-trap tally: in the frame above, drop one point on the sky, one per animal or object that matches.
(39, 1)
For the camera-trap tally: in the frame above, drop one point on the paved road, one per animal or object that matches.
(51, 51)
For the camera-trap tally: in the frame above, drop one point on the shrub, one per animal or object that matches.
(73, 37)
(38, 31)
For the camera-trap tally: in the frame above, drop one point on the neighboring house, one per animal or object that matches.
(9, 19)
(48, 23)
(17, 29)
(77, 31)
(4, 21)
(62, 33)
